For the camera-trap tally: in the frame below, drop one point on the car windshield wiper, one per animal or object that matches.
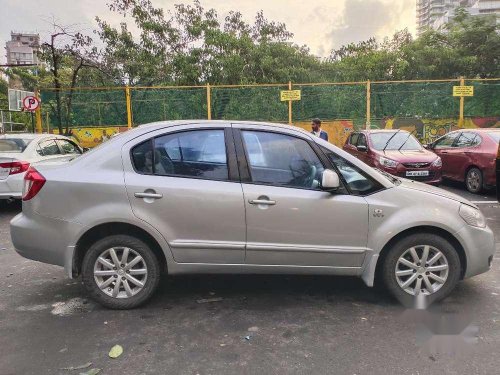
(390, 139)
(391, 177)
(406, 140)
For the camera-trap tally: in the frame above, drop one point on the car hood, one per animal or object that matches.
(414, 185)
(409, 156)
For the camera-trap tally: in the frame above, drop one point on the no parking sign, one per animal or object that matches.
(31, 103)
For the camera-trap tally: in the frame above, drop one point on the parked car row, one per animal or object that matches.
(19, 151)
(466, 155)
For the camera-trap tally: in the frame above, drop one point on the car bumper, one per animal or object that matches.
(479, 247)
(12, 187)
(44, 239)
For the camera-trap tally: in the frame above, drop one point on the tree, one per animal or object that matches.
(65, 54)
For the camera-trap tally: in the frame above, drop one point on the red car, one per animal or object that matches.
(397, 152)
(469, 156)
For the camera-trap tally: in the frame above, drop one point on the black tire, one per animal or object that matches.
(419, 239)
(150, 259)
(474, 180)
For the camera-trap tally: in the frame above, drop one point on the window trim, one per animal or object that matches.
(244, 165)
(230, 154)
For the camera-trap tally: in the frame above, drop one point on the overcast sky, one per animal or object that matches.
(320, 24)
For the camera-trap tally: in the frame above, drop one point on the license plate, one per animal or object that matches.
(416, 173)
(4, 172)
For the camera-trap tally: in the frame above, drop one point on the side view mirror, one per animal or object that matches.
(330, 180)
(362, 148)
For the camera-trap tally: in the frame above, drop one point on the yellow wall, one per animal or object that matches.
(338, 130)
(91, 137)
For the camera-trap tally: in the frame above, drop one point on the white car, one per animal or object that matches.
(19, 151)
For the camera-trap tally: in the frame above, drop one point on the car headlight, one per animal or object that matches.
(438, 162)
(388, 162)
(472, 216)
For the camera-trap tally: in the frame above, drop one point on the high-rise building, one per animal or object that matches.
(483, 7)
(22, 49)
(436, 13)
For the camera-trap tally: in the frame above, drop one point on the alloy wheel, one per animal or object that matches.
(473, 180)
(421, 269)
(120, 272)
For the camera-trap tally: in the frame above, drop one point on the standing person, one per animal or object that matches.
(316, 129)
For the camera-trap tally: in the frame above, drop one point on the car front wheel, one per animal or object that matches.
(421, 265)
(120, 272)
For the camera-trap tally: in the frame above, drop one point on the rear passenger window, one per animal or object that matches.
(68, 147)
(198, 154)
(468, 139)
(48, 148)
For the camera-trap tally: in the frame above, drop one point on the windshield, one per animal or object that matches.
(495, 136)
(399, 141)
(14, 145)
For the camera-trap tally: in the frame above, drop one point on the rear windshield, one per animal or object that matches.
(13, 144)
(394, 141)
(495, 136)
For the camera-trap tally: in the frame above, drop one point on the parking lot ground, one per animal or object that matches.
(253, 324)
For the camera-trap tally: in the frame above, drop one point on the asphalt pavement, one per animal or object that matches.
(245, 324)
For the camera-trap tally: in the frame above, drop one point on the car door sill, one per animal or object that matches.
(209, 268)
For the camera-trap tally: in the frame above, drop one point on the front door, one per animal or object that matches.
(443, 148)
(183, 181)
(290, 220)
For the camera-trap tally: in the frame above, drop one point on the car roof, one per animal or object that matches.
(26, 135)
(371, 131)
(481, 130)
(215, 122)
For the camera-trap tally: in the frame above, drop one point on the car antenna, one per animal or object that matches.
(390, 139)
(406, 140)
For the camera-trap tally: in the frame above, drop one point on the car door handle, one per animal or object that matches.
(148, 195)
(262, 201)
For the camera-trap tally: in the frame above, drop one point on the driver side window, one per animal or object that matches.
(446, 141)
(282, 160)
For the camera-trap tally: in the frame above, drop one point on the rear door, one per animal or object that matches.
(184, 181)
(460, 155)
(290, 220)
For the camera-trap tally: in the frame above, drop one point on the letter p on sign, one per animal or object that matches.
(31, 103)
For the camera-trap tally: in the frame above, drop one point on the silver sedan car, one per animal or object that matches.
(241, 197)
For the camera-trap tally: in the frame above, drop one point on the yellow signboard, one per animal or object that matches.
(287, 95)
(463, 90)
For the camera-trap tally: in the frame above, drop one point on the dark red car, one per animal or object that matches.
(469, 156)
(397, 152)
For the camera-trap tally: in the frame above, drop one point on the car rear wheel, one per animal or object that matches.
(421, 265)
(474, 180)
(120, 272)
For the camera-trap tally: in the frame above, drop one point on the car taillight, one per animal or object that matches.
(33, 183)
(16, 166)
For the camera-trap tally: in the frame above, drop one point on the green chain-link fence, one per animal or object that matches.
(423, 99)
